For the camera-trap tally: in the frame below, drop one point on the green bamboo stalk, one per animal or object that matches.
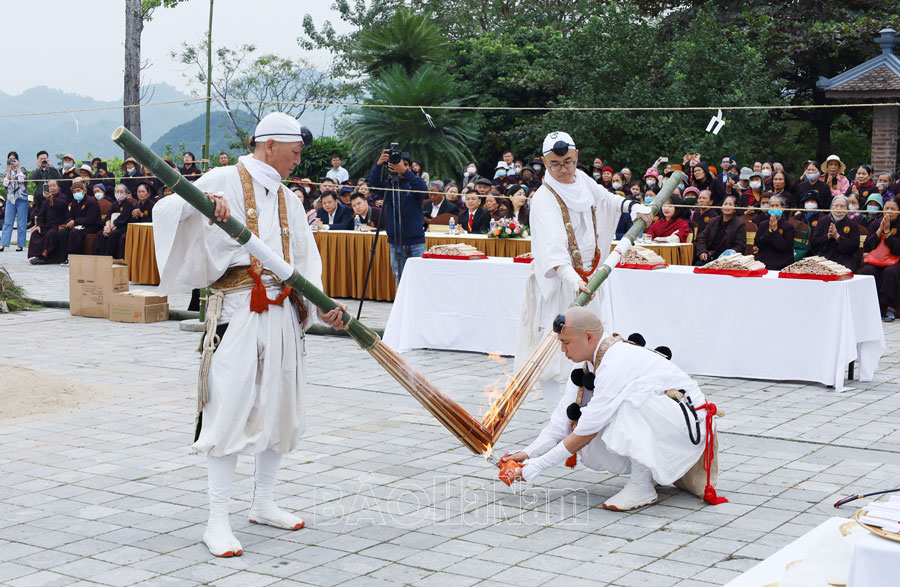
(366, 338)
(636, 229)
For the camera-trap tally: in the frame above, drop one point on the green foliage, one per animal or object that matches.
(442, 148)
(316, 159)
(408, 40)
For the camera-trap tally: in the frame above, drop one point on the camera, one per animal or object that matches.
(395, 155)
(10, 161)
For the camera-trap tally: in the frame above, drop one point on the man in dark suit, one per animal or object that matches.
(474, 218)
(437, 204)
(369, 216)
(332, 215)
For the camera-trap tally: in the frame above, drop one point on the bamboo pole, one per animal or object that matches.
(450, 414)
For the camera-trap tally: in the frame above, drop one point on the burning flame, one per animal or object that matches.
(496, 357)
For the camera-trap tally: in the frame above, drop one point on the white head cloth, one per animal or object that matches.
(577, 196)
(280, 127)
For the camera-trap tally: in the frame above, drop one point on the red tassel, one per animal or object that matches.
(709, 494)
(710, 497)
(259, 303)
(570, 462)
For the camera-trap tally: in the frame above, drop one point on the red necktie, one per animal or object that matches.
(471, 217)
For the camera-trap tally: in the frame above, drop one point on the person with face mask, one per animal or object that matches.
(752, 195)
(84, 219)
(812, 181)
(68, 173)
(836, 237)
(53, 215)
(775, 236)
(131, 174)
(651, 180)
(470, 173)
(120, 213)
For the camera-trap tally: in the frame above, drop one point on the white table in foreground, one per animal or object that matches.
(753, 327)
(458, 305)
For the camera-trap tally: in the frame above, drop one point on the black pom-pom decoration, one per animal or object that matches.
(578, 377)
(589, 381)
(637, 339)
(573, 411)
(664, 351)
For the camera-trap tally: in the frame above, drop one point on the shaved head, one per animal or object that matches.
(583, 319)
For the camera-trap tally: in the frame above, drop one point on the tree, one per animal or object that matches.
(316, 159)
(408, 40)
(136, 13)
(441, 144)
(255, 84)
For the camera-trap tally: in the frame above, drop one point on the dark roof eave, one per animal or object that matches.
(862, 95)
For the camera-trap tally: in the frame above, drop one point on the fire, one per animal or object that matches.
(498, 401)
(496, 357)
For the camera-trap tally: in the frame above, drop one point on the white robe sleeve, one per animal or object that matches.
(608, 211)
(304, 252)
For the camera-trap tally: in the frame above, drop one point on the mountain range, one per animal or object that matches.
(81, 133)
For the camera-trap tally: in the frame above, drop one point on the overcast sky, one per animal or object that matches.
(39, 38)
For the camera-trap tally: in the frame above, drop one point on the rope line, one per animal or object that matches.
(475, 108)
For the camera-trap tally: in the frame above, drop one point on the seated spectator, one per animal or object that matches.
(722, 233)
(224, 160)
(474, 218)
(702, 214)
(437, 202)
(483, 186)
(809, 201)
(451, 192)
(885, 180)
(651, 181)
(344, 195)
(597, 169)
(780, 187)
(606, 177)
(882, 248)
(84, 219)
(767, 172)
(690, 197)
(833, 177)
(634, 191)
(102, 201)
(130, 175)
(760, 214)
(812, 181)
(836, 237)
(492, 205)
(108, 239)
(863, 187)
(518, 202)
(369, 216)
(68, 174)
(618, 182)
(626, 175)
(672, 227)
(190, 170)
(751, 196)
(53, 215)
(85, 173)
(854, 214)
(332, 215)
(775, 237)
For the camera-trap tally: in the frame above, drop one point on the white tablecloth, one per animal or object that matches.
(457, 305)
(875, 562)
(754, 327)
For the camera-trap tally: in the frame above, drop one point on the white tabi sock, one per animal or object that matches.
(218, 536)
(637, 493)
(264, 510)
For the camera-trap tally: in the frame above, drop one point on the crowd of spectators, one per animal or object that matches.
(848, 216)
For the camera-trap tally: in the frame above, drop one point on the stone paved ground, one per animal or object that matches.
(110, 494)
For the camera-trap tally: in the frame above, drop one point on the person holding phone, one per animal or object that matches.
(16, 202)
(41, 176)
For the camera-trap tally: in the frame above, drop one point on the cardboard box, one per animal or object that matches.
(140, 307)
(93, 280)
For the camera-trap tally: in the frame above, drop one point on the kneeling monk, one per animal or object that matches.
(620, 414)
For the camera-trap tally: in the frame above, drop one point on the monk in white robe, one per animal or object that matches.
(555, 281)
(255, 384)
(627, 424)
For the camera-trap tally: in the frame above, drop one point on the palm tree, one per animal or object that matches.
(409, 40)
(440, 144)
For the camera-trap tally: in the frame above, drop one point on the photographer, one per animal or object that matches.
(40, 177)
(402, 209)
(16, 202)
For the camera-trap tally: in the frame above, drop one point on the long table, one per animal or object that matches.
(345, 257)
(803, 330)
